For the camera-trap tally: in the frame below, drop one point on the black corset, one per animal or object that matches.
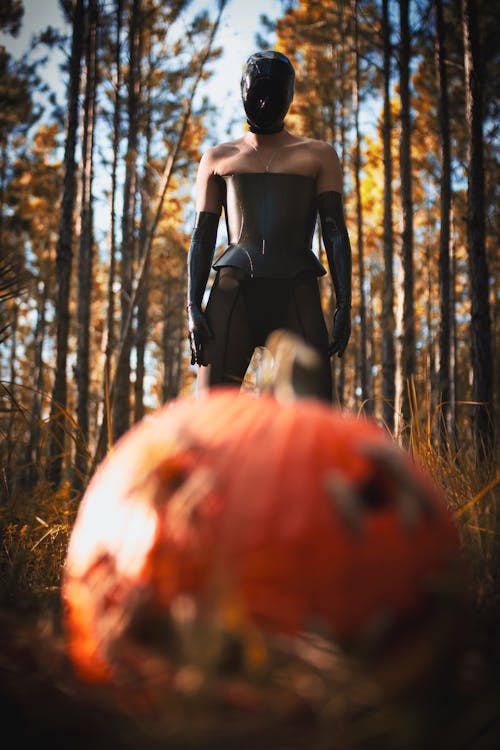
(270, 219)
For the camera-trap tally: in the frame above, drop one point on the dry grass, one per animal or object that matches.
(302, 694)
(471, 486)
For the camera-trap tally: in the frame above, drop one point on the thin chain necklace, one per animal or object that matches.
(267, 164)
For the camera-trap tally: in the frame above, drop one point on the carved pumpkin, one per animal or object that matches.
(295, 516)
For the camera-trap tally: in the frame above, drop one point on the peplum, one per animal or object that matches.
(271, 218)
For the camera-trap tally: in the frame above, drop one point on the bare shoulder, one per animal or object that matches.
(209, 196)
(329, 172)
(323, 150)
(213, 156)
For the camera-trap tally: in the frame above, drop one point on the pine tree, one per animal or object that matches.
(64, 257)
(388, 324)
(481, 357)
(121, 404)
(86, 244)
(363, 364)
(405, 166)
(445, 221)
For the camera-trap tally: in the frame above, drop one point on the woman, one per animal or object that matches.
(272, 185)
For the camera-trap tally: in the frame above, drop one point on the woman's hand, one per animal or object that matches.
(199, 333)
(341, 330)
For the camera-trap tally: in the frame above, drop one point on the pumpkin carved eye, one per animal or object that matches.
(173, 471)
(374, 495)
(353, 503)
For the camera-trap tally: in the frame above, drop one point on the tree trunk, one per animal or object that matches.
(444, 391)
(3, 184)
(338, 365)
(388, 323)
(104, 414)
(453, 332)
(64, 251)
(86, 247)
(408, 333)
(142, 320)
(481, 354)
(166, 337)
(430, 384)
(8, 475)
(121, 406)
(172, 337)
(33, 455)
(363, 358)
(141, 334)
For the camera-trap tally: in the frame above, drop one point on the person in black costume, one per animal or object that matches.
(272, 185)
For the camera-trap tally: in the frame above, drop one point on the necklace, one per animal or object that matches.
(264, 163)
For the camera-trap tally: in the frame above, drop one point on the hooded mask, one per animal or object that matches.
(267, 91)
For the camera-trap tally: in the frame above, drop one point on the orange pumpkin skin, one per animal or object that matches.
(296, 515)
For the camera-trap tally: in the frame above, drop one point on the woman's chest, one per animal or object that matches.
(281, 161)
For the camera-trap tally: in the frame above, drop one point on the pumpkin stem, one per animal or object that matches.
(291, 369)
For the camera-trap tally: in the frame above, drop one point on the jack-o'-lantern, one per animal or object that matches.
(230, 506)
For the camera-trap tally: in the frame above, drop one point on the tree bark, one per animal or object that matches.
(388, 323)
(141, 334)
(104, 414)
(453, 332)
(338, 365)
(481, 353)
(166, 338)
(430, 385)
(33, 453)
(121, 404)
(9, 476)
(64, 252)
(4, 156)
(85, 252)
(172, 337)
(363, 358)
(408, 334)
(444, 390)
(142, 319)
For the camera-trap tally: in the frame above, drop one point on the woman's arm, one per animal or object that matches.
(337, 245)
(201, 252)
(329, 169)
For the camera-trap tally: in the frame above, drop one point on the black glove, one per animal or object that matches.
(199, 332)
(200, 256)
(338, 253)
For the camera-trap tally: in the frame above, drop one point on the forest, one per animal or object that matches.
(96, 211)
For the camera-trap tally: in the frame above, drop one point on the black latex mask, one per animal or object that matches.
(267, 91)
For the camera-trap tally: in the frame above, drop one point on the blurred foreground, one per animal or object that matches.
(272, 692)
(44, 704)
